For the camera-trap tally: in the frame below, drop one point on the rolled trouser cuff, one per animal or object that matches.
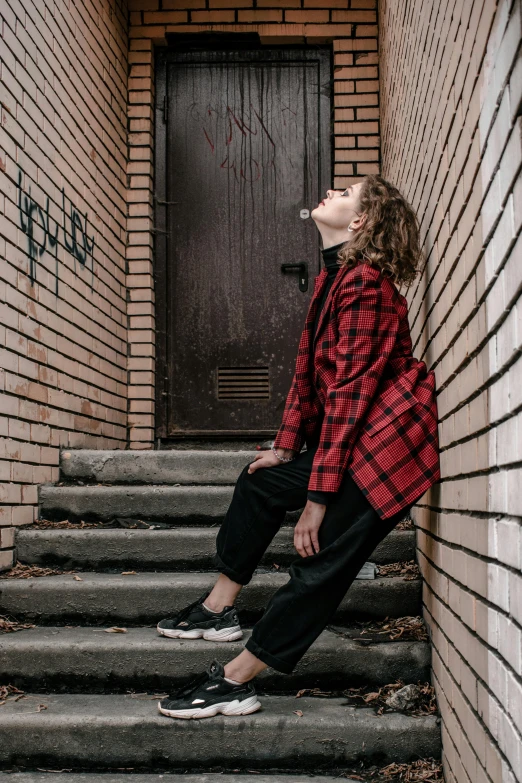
(236, 576)
(271, 660)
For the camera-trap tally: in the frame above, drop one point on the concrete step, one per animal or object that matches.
(145, 598)
(183, 505)
(90, 660)
(171, 505)
(187, 466)
(107, 732)
(172, 548)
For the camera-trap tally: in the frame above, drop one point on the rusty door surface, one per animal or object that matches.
(242, 151)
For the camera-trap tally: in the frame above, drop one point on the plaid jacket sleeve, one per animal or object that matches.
(290, 435)
(367, 325)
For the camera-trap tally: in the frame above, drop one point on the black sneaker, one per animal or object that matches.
(209, 693)
(195, 622)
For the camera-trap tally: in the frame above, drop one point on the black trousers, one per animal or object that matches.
(300, 610)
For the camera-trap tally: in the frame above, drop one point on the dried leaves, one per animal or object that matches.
(10, 626)
(22, 571)
(42, 524)
(407, 569)
(427, 770)
(368, 696)
(405, 524)
(10, 693)
(406, 628)
(425, 703)
(66, 524)
(420, 771)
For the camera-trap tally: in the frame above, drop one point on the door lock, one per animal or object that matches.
(304, 213)
(303, 274)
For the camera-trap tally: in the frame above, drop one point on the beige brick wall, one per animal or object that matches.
(451, 85)
(63, 192)
(349, 26)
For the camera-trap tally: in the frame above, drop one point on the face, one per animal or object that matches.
(339, 208)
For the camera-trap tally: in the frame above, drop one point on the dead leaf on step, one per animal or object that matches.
(128, 573)
(10, 693)
(115, 629)
(77, 579)
(299, 713)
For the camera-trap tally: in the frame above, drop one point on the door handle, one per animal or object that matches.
(303, 274)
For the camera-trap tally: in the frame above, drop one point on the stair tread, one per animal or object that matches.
(187, 466)
(76, 730)
(164, 578)
(148, 596)
(89, 659)
(168, 546)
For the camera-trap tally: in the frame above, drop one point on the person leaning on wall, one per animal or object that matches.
(366, 410)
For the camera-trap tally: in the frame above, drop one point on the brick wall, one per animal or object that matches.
(451, 84)
(63, 188)
(348, 25)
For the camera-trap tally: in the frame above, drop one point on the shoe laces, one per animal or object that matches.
(196, 681)
(183, 613)
(190, 686)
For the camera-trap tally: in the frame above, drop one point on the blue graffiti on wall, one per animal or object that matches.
(43, 232)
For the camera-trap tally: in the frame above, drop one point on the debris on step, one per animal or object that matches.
(424, 704)
(9, 692)
(427, 770)
(420, 771)
(80, 524)
(408, 569)
(405, 698)
(7, 625)
(65, 524)
(407, 629)
(416, 699)
(405, 524)
(368, 571)
(22, 571)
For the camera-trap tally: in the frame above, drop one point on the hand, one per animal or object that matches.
(267, 459)
(306, 532)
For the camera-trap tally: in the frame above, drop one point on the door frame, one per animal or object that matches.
(323, 56)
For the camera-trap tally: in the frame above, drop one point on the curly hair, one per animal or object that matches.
(389, 238)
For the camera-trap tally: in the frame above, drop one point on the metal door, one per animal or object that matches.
(242, 152)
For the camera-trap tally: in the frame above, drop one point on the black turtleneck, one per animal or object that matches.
(332, 267)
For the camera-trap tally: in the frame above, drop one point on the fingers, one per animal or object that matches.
(304, 543)
(298, 543)
(253, 467)
(307, 543)
(315, 540)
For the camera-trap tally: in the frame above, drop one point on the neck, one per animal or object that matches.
(332, 237)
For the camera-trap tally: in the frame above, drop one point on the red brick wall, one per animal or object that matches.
(63, 320)
(348, 25)
(77, 333)
(451, 86)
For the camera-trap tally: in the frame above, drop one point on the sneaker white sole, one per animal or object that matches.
(235, 707)
(209, 634)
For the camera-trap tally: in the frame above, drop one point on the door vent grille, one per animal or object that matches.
(243, 383)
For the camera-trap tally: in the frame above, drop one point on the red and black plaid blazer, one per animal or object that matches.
(360, 394)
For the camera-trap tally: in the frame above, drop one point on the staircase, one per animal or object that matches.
(139, 539)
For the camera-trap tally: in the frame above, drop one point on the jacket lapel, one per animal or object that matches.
(304, 382)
